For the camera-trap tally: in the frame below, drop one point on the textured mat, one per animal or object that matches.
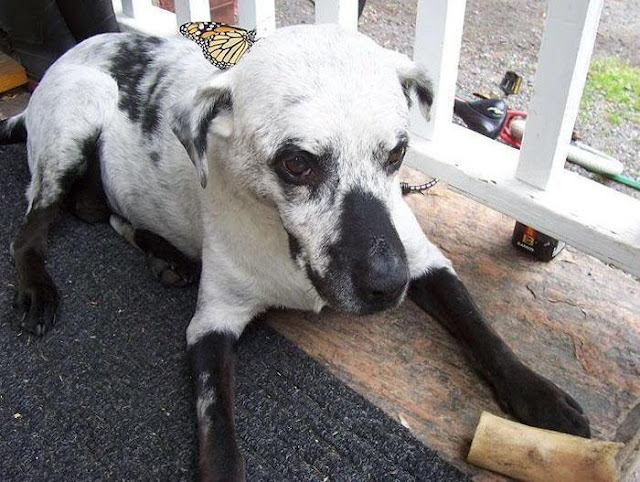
(107, 395)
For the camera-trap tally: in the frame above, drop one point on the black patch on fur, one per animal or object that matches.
(69, 176)
(382, 151)
(322, 285)
(324, 179)
(422, 87)
(440, 293)
(13, 131)
(214, 356)
(154, 96)
(85, 196)
(443, 295)
(160, 248)
(182, 129)
(87, 199)
(403, 140)
(129, 66)
(222, 102)
(368, 257)
(155, 158)
(294, 246)
(406, 90)
(425, 95)
(88, 152)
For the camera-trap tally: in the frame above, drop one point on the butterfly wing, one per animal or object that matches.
(222, 44)
(195, 30)
(224, 49)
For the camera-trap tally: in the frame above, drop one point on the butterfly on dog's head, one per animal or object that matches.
(222, 44)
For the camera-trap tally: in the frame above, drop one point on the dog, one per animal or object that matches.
(273, 182)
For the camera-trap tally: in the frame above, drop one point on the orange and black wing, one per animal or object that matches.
(222, 44)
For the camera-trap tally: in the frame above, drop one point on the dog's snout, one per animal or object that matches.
(371, 253)
(368, 269)
(384, 277)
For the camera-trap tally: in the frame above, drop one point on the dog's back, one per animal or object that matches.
(115, 91)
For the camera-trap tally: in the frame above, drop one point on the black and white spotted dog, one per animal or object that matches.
(293, 202)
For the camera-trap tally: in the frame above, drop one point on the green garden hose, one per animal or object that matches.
(627, 181)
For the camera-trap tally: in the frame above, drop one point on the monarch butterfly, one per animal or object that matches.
(222, 44)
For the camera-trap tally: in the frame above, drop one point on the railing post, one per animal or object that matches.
(192, 10)
(437, 48)
(135, 8)
(342, 12)
(258, 14)
(567, 43)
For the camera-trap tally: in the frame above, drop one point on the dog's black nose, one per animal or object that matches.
(369, 254)
(384, 278)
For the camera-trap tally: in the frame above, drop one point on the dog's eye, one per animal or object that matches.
(297, 166)
(395, 159)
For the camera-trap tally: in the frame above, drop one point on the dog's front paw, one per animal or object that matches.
(36, 305)
(173, 275)
(226, 466)
(536, 401)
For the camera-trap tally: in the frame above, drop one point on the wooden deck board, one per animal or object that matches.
(11, 73)
(575, 320)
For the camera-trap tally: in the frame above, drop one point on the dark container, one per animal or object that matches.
(538, 244)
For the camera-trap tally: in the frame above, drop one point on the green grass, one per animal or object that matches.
(618, 83)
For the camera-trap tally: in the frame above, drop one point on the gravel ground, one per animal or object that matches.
(503, 35)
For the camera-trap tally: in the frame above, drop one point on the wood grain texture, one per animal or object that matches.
(12, 74)
(575, 320)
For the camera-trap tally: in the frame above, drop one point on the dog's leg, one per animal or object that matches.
(213, 360)
(211, 338)
(53, 178)
(64, 120)
(87, 199)
(167, 263)
(436, 288)
(37, 297)
(529, 396)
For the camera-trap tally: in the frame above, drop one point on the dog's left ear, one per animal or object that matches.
(199, 114)
(414, 79)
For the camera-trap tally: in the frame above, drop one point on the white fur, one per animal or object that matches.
(324, 87)
(205, 400)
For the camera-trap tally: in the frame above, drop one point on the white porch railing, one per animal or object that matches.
(529, 185)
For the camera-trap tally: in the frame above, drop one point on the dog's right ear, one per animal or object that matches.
(194, 117)
(414, 80)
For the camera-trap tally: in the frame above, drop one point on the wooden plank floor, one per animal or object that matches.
(575, 320)
(11, 73)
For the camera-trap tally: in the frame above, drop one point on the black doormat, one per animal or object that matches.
(106, 395)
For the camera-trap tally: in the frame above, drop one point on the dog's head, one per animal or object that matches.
(314, 120)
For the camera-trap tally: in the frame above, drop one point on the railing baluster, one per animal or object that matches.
(192, 10)
(342, 12)
(437, 47)
(258, 14)
(567, 43)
